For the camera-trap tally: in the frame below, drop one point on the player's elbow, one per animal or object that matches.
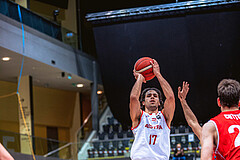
(133, 97)
(192, 123)
(171, 101)
(171, 98)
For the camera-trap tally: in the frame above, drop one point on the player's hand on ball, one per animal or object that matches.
(138, 75)
(182, 93)
(156, 68)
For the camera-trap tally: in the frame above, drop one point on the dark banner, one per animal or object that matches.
(199, 48)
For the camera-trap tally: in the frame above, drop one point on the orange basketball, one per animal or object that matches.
(144, 67)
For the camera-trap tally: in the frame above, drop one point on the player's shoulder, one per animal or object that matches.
(209, 127)
(142, 113)
(209, 124)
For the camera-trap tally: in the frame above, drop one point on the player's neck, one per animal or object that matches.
(151, 112)
(225, 109)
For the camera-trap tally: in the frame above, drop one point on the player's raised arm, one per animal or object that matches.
(189, 115)
(135, 111)
(169, 104)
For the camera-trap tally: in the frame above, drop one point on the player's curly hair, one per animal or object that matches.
(142, 98)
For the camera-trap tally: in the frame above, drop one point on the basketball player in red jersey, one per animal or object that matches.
(189, 115)
(223, 131)
(150, 126)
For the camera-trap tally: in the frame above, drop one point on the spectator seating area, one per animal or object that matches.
(112, 141)
(189, 141)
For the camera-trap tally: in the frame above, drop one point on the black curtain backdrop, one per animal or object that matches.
(199, 48)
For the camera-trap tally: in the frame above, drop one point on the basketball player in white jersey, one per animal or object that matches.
(150, 126)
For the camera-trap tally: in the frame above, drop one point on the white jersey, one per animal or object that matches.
(152, 138)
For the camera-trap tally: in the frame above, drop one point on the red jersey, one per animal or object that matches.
(228, 129)
(214, 156)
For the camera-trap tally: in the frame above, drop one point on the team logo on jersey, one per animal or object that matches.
(158, 116)
(154, 119)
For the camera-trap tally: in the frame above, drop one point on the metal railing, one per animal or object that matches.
(42, 24)
(96, 149)
(42, 146)
(156, 9)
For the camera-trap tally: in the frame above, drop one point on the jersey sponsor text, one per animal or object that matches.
(153, 127)
(232, 116)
